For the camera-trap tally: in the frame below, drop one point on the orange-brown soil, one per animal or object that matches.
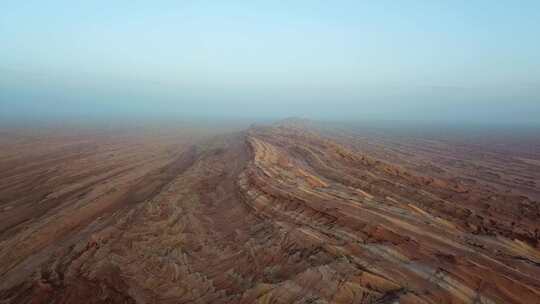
(277, 214)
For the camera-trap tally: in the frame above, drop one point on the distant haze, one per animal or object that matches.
(449, 61)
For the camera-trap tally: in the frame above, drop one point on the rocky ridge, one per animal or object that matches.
(282, 214)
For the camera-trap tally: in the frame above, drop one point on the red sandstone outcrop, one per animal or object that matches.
(277, 214)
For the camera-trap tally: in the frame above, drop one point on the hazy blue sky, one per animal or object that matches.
(405, 60)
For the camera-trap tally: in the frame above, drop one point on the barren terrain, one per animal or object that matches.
(286, 213)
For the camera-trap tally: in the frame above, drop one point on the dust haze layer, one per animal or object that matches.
(424, 60)
(288, 213)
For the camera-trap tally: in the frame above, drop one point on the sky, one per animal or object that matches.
(450, 61)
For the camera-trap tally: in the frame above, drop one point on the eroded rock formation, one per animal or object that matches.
(282, 214)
